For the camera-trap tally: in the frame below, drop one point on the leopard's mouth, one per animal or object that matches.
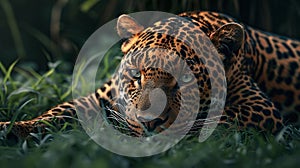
(151, 126)
(147, 125)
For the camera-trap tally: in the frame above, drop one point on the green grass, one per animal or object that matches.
(25, 94)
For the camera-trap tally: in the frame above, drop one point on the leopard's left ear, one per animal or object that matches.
(127, 26)
(228, 39)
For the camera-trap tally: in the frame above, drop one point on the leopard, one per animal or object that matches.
(261, 72)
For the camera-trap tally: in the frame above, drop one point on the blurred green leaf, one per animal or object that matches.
(88, 4)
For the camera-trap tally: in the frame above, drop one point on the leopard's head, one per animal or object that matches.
(172, 72)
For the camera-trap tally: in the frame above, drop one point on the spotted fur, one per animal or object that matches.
(261, 69)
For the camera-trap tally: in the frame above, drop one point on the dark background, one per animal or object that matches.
(38, 32)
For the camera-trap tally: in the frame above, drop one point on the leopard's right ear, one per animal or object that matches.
(126, 28)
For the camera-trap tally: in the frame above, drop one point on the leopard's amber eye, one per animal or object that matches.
(186, 78)
(135, 73)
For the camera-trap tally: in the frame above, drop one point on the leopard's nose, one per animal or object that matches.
(145, 118)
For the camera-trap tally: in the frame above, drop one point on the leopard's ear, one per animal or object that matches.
(228, 39)
(127, 26)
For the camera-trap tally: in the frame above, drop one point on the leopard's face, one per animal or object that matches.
(165, 79)
(155, 90)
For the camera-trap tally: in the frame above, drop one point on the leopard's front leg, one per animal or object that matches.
(250, 107)
(63, 113)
